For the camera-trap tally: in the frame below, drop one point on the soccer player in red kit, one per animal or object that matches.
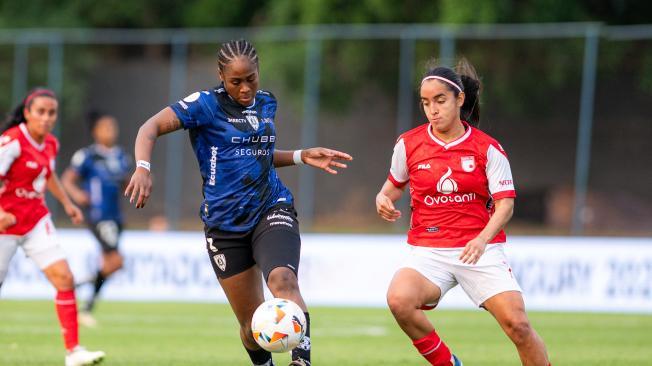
(27, 156)
(462, 195)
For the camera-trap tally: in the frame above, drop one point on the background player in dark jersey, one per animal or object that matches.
(250, 222)
(94, 180)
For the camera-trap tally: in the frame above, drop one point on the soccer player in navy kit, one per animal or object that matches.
(94, 180)
(250, 223)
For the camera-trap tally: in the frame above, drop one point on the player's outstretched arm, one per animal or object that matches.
(69, 180)
(385, 199)
(140, 185)
(55, 187)
(475, 248)
(318, 157)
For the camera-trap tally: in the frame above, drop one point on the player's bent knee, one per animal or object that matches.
(518, 330)
(63, 280)
(282, 280)
(400, 304)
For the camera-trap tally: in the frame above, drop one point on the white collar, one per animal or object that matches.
(29, 138)
(454, 142)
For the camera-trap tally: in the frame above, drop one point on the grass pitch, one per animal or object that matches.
(206, 334)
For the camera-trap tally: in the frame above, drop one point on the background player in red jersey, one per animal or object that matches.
(462, 195)
(27, 157)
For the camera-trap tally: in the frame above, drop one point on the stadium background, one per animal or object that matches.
(345, 74)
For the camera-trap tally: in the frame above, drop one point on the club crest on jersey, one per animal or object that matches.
(253, 122)
(220, 260)
(468, 163)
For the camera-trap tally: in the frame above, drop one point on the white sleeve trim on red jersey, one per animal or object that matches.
(399, 170)
(8, 153)
(499, 174)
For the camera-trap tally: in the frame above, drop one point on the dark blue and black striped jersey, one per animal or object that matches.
(103, 172)
(234, 146)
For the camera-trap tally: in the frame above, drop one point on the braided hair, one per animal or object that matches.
(231, 50)
(17, 116)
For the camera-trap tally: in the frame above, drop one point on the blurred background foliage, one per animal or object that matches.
(531, 87)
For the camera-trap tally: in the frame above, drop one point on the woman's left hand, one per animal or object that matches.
(75, 214)
(325, 159)
(473, 251)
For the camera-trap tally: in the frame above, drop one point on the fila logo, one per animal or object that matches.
(31, 164)
(423, 166)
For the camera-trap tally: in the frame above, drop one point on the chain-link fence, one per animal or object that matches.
(569, 102)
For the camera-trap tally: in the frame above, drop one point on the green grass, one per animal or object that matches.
(206, 334)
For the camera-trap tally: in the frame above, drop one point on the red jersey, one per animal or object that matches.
(25, 167)
(451, 184)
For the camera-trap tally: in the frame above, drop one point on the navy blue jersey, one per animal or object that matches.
(103, 172)
(234, 146)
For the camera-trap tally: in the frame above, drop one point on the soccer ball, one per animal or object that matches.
(278, 325)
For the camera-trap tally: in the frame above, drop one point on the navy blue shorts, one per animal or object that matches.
(274, 242)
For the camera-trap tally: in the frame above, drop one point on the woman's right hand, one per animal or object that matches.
(6, 220)
(139, 188)
(385, 208)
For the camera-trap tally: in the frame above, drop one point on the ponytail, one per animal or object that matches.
(470, 110)
(17, 116)
(463, 79)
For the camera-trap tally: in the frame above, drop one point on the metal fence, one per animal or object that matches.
(55, 44)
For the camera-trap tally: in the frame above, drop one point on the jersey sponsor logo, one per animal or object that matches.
(252, 139)
(24, 193)
(423, 166)
(252, 152)
(213, 166)
(276, 216)
(468, 163)
(447, 186)
(276, 223)
(31, 164)
(506, 182)
(38, 186)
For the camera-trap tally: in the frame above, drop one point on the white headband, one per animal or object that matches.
(442, 79)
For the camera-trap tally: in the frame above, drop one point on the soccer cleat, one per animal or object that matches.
(455, 361)
(299, 362)
(79, 356)
(86, 319)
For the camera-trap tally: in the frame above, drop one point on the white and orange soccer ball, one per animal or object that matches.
(278, 325)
